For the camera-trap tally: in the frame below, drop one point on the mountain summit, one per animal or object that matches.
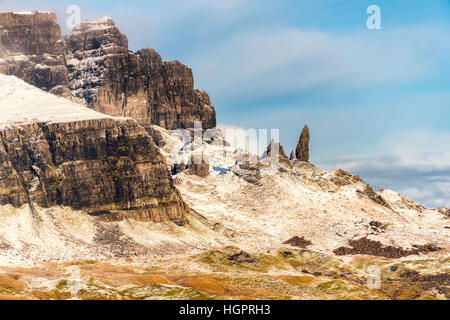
(94, 65)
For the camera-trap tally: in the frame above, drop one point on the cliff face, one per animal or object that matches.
(104, 165)
(140, 85)
(32, 48)
(94, 64)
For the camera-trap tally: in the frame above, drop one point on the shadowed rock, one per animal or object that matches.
(198, 169)
(302, 151)
(140, 85)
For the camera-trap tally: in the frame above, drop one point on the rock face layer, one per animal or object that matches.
(104, 165)
(94, 63)
(32, 48)
(302, 151)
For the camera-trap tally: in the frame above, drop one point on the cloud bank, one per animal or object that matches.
(423, 176)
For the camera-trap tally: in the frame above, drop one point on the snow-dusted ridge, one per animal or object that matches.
(99, 24)
(31, 12)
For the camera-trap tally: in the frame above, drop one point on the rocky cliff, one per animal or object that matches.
(32, 48)
(101, 71)
(54, 152)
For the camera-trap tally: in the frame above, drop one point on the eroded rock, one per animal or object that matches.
(302, 151)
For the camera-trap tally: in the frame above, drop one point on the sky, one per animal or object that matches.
(377, 101)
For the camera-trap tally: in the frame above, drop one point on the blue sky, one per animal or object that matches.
(377, 102)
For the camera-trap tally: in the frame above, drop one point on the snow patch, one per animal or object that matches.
(21, 103)
(30, 12)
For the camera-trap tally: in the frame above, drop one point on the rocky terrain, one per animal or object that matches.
(93, 65)
(254, 232)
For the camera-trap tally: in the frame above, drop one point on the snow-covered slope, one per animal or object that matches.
(299, 199)
(21, 103)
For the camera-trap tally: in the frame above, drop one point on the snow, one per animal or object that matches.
(30, 12)
(21, 103)
(100, 24)
(303, 201)
(64, 234)
(20, 58)
(104, 20)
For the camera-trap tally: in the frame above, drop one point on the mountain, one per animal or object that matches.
(263, 205)
(93, 64)
(99, 200)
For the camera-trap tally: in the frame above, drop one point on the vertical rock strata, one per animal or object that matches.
(140, 85)
(104, 166)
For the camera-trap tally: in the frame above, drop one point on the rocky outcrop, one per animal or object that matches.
(249, 173)
(302, 151)
(375, 197)
(32, 48)
(445, 211)
(282, 157)
(116, 81)
(95, 64)
(200, 169)
(107, 166)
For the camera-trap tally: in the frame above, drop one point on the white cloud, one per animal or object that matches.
(417, 165)
(423, 177)
(253, 140)
(283, 60)
(423, 140)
